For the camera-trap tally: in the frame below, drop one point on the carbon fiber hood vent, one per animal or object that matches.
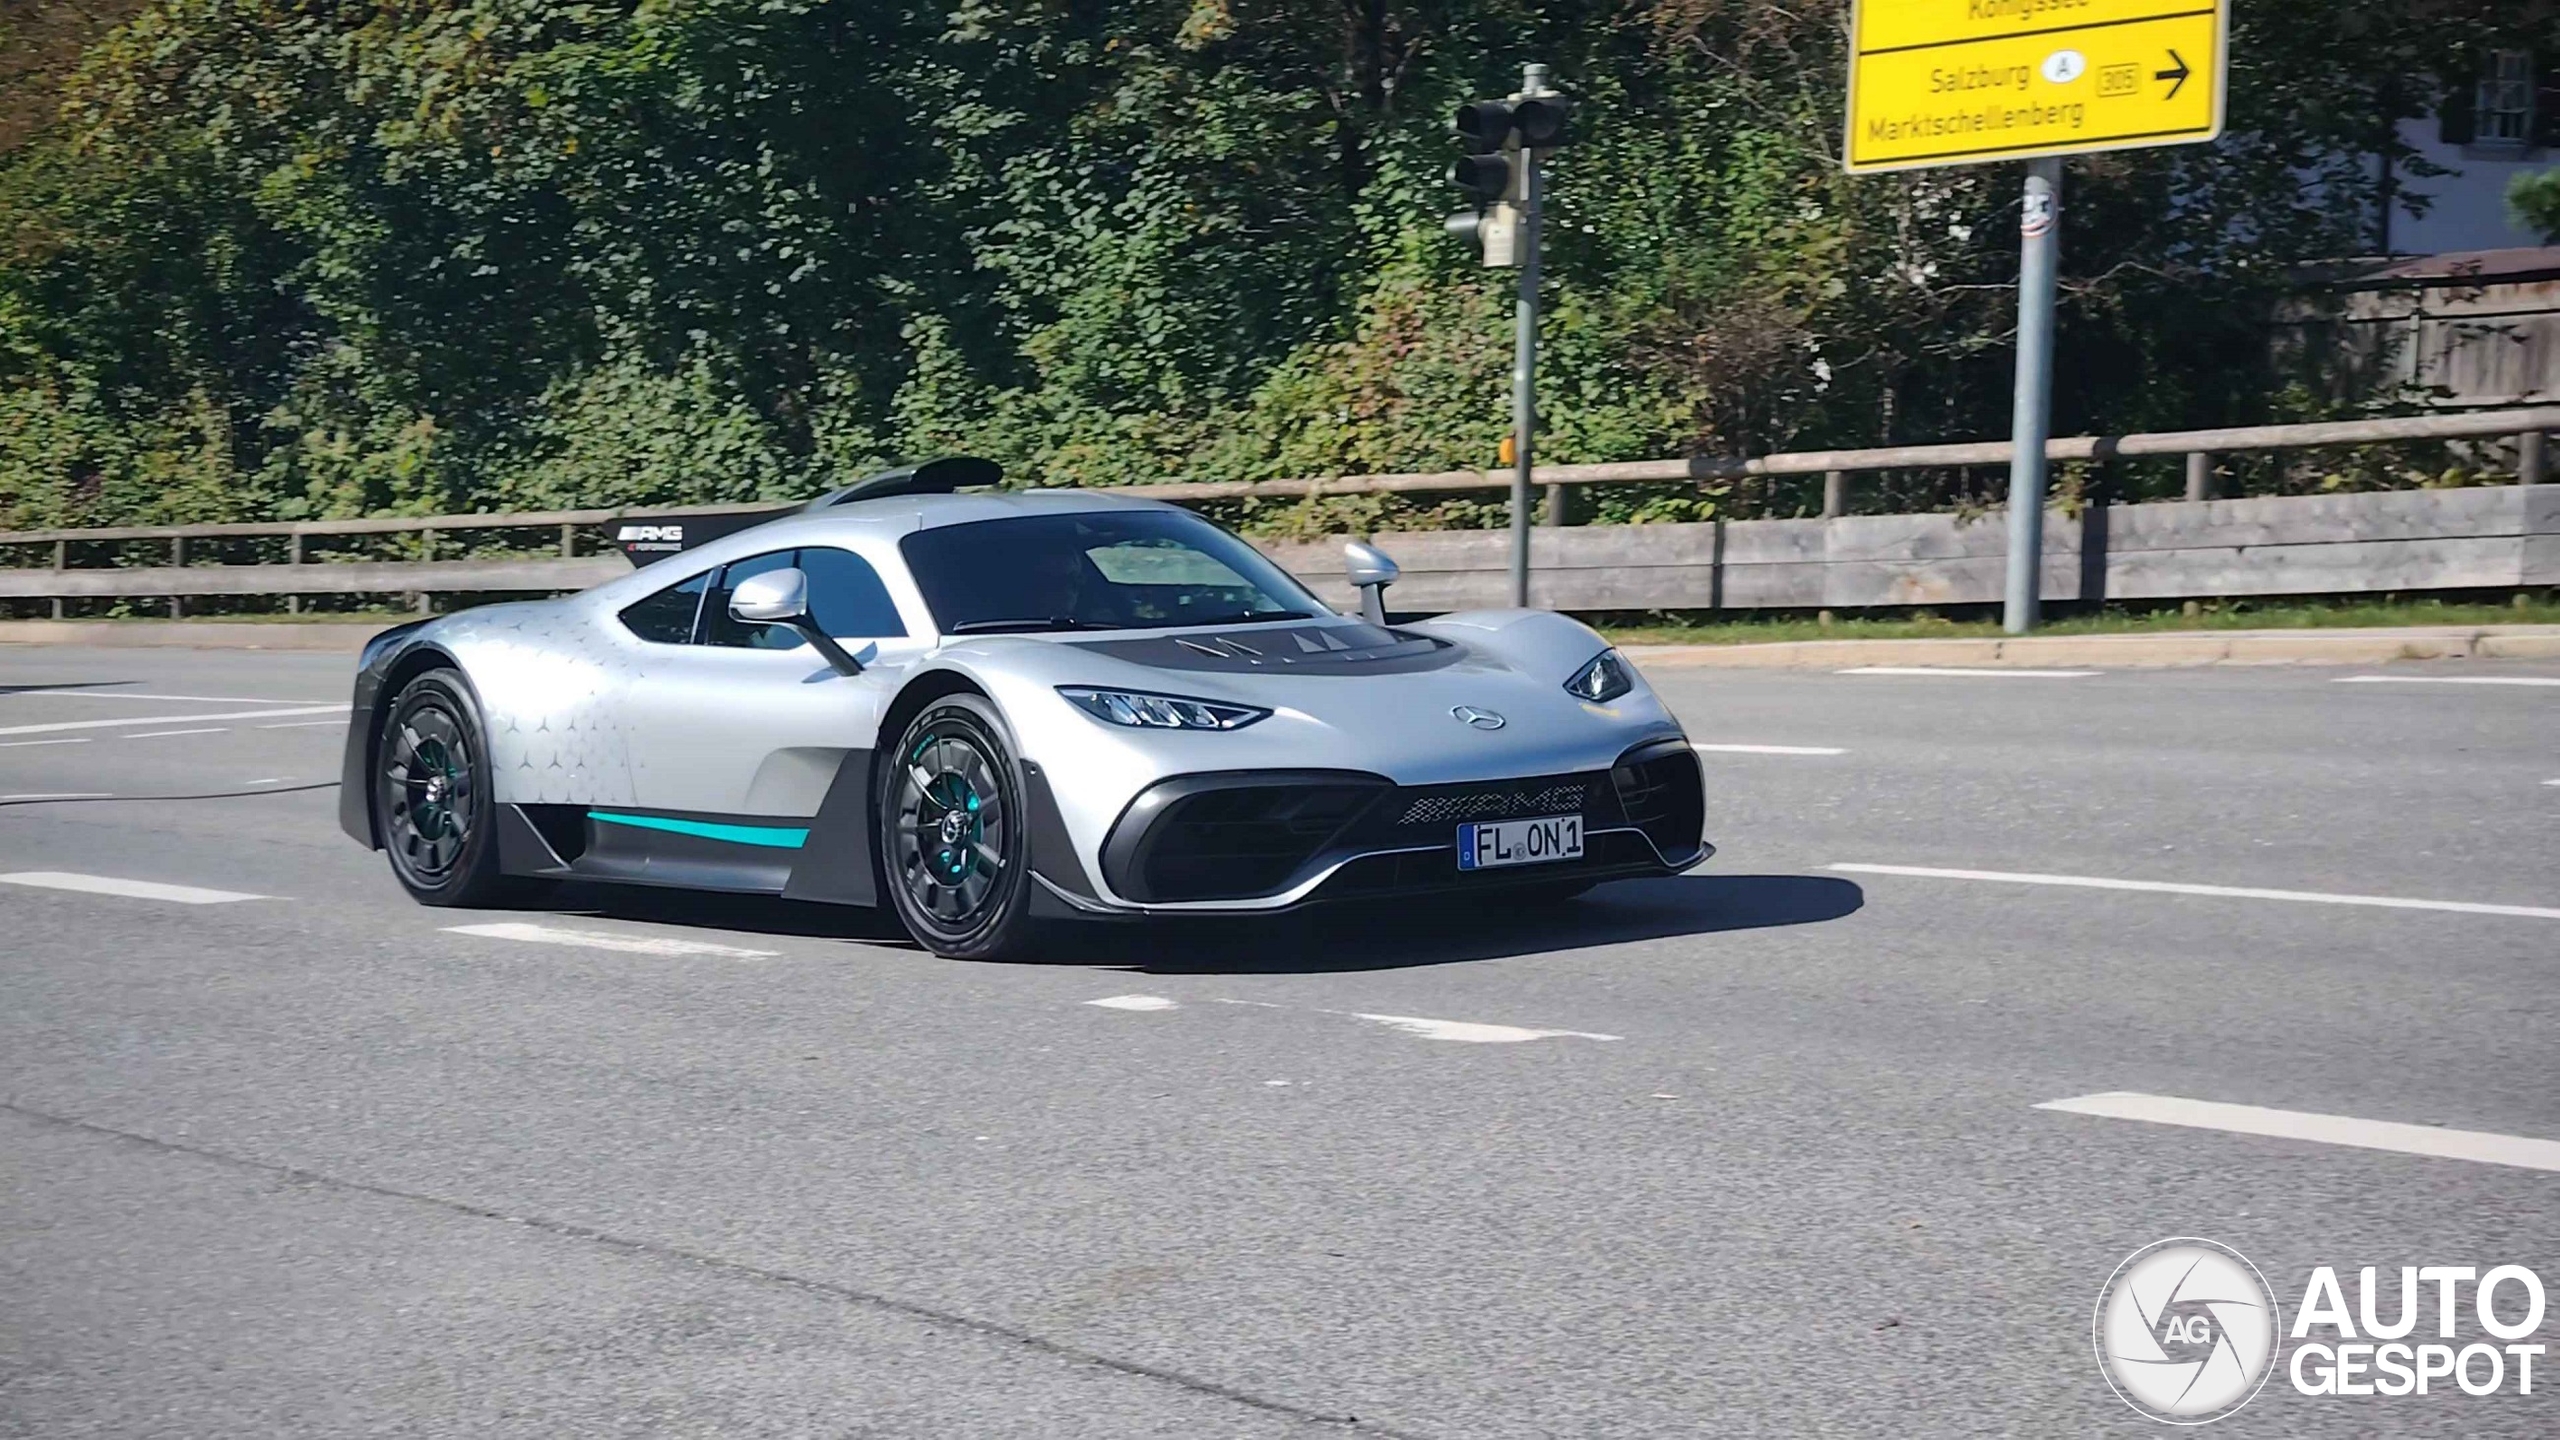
(1285, 649)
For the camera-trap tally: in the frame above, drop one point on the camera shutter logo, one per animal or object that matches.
(2186, 1331)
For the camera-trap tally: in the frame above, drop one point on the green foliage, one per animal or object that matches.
(2536, 200)
(326, 257)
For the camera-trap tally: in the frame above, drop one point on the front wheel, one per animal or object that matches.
(432, 804)
(953, 840)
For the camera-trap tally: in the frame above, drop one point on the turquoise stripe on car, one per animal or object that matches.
(770, 837)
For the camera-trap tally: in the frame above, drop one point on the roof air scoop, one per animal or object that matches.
(932, 477)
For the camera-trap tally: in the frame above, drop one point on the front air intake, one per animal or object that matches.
(1664, 795)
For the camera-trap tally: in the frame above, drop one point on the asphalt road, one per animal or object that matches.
(315, 1164)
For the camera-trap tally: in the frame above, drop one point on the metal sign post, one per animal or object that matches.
(1499, 174)
(2030, 420)
(1958, 82)
(1524, 361)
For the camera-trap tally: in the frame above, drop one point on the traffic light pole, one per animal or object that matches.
(2030, 418)
(1524, 366)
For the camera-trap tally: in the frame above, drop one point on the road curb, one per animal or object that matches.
(2132, 652)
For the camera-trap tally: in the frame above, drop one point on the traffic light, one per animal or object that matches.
(1501, 138)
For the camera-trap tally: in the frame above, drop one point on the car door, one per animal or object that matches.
(747, 723)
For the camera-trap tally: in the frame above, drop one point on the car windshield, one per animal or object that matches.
(1097, 570)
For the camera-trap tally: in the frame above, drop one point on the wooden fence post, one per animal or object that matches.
(2529, 458)
(293, 553)
(1835, 494)
(61, 562)
(2199, 475)
(178, 558)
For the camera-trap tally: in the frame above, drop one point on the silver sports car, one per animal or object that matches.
(990, 709)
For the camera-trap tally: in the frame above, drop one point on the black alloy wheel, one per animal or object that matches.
(952, 833)
(432, 805)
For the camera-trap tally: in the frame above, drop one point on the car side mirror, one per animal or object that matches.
(781, 597)
(1371, 572)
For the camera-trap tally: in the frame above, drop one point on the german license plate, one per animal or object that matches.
(1519, 842)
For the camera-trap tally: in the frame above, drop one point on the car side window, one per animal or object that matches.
(667, 617)
(720, 628)
(846, 597)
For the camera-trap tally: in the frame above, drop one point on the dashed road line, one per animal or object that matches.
(1767, 749)
(165, 734)
(304, 724)
(2430, 1140)
(59, 795)
(1472, 1032)
(2446, 680)
(2228, 892)
(1464, 1031)
(1136, 1002)
(1951, 670)
(129, 889)
(17, 744)
(62, 725)
(608, 940)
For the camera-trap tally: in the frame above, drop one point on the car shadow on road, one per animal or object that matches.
(1369, 936)
(708, 909)
(1439, 932)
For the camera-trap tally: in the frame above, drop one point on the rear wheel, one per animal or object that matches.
(952, 837)
(431, 795)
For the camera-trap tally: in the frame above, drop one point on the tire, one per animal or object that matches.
(953, 843)
(432, 804)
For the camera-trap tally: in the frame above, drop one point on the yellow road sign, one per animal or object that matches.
(1954, 82)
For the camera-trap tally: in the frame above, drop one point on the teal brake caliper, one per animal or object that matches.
(959, 854)
(431, 812)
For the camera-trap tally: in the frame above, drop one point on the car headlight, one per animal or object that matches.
(1607, 677)
(1160, 712)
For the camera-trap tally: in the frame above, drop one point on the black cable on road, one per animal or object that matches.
(216, 795)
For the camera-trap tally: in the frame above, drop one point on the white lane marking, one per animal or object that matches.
(168, 720)
(165, 734)
(62, 795)
(131, 889)
(2445, 680)
(1469, 1032)
(303, 724)
(1767, 749)
(1969, 674)
(2443, 1144)
(606, 940)
(1135, 1002)
(77, 694)
(2230, 892)
(1465, 1030)
(83, 740)
(2551, 782)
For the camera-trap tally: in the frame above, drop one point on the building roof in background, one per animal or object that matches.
(2521, 265)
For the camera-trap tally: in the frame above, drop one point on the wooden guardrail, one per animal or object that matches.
(1924, 559)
